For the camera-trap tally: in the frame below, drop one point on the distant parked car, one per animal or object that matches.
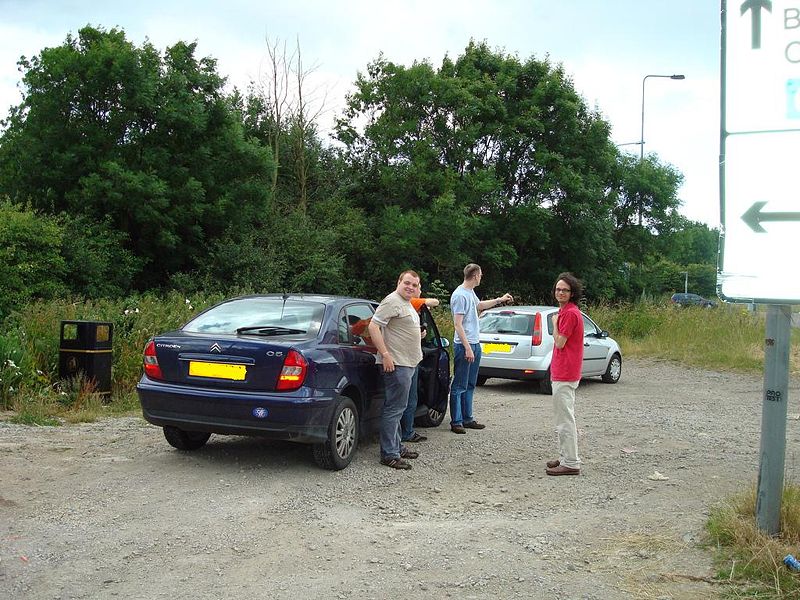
(281, 366)
(517, 343)
(684, 299)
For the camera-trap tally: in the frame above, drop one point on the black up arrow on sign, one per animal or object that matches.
(754, 217)
(755, 6)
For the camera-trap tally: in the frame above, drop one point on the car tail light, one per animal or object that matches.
(293, 372)
(536, 339)
(151, 368)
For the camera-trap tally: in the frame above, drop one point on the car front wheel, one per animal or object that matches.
(337, 451)
(185, 440)
(614, 370)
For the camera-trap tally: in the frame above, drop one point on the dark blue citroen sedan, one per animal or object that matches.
(281, 366)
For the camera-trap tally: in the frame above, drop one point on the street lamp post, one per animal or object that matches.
(641, 139)
(685, 281)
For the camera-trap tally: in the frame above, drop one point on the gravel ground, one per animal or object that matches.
(109, 510)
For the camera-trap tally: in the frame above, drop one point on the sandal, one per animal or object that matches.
(406, 453)
(396, 463)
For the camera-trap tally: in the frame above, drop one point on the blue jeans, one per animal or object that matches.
(397, 383)
(465, 375)
(407, 420)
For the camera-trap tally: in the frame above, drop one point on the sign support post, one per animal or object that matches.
(773, 418)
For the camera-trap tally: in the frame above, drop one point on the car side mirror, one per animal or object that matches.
(603, 334)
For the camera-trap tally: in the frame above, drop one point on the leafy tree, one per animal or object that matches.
(510, 141)
(106, 129)
(690, 242)
(646, 204)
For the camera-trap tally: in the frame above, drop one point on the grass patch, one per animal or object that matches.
(728, 338)
(749, 559)
(725, 338)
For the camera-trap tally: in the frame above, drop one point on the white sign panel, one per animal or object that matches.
(761, 147)
(762, 65)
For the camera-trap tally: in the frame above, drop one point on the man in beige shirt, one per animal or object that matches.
(395, 332)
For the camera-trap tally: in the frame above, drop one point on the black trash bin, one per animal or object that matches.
(86, 348)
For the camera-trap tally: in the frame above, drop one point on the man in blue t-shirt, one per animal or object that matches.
(465, 307)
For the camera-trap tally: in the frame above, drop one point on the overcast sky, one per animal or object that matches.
(607, 46)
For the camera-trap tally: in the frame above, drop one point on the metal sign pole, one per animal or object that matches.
(773, 418)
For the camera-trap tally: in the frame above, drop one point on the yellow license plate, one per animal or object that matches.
(217, 370)
(489, 348)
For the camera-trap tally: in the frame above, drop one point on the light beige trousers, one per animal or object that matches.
(564, 420)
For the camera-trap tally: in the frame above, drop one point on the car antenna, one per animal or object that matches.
(285, 297)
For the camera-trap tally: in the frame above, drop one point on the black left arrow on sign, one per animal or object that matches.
(754, 217)
(755, 27)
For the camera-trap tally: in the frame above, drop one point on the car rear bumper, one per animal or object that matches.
(502, 373)
(294, 417)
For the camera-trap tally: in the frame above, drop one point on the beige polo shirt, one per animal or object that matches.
(400, 324)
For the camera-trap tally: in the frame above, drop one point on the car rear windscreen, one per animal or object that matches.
(510, 323)
(228, 317)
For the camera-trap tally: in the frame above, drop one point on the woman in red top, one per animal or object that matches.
(565, 372)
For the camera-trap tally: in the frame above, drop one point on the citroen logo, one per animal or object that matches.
(215, 347)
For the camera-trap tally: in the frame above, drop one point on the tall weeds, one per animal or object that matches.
(727, 337)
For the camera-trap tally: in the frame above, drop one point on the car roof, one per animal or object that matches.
(322, 298)
(523, 309)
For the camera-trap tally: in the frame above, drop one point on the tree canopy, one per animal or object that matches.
(142, 172)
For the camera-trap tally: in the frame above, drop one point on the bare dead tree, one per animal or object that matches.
(294, 111)
(307, 111)
(275, 88)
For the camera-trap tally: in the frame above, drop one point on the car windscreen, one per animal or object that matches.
(506, 322)
(261, 316)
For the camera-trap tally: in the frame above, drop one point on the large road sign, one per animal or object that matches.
(760, 148)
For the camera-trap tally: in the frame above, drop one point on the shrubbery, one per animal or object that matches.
(727, 337)
(30, 345)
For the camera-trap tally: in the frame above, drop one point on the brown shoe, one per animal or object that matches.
(457, 429)
(406, 453)
(562, 470)
(474, 425)
(552, 464)
(396, 463)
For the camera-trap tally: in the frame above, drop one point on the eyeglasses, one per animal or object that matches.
(563, 290)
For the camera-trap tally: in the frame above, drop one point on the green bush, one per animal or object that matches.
(31, 265)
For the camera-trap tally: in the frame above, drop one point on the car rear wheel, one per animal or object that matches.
(337, 451)
(614, 370)
(432, 418)
(185, 440)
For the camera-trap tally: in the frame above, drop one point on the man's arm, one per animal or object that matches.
(377, 339)
(560, 339)
(484, 304)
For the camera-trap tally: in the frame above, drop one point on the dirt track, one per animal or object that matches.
(109, 510)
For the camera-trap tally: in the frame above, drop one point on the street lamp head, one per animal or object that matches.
(677, 76)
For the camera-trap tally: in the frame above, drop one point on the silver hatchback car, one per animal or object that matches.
(517, 343)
